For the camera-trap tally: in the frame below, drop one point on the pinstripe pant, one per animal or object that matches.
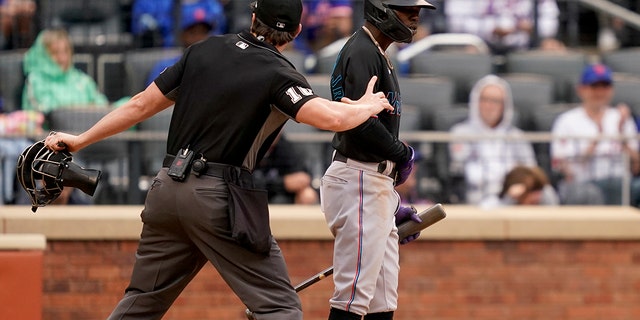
(359, 205)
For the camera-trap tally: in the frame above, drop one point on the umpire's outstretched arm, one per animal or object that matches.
(319, 112)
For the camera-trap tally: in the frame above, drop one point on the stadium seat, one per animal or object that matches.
(463, 68)
(563, 67)
(529, 91)
(89, 22)
(110, 74)
(625, 60)
(627, 90)
(326, 57)
(438, 165)
(320, 85)
(427, 93)
(153, 151)
(109, 155)
(139, 63)
(544, 116)
(316, 154)
(12, 79)
(297, 58)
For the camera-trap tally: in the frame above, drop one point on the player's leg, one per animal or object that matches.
(357, 205)
(385, 300)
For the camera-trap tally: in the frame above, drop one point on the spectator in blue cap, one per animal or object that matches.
(153, 20)
(591, 141)
(199, 20)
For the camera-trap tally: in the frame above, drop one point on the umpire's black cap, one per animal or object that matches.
(282, 15)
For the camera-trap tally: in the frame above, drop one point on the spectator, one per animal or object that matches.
(624, 34)
(198, 22)
(325, 21)
(15, 128)
(593, 169)
(282, 173)
(153, 20)
(17, 23)
(506, 25)
(52, 80)
(524, 185)
(484, 163)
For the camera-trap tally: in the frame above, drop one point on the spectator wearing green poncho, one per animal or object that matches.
(52, 81)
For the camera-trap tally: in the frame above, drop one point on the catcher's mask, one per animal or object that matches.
(380, 13)
(43, 174)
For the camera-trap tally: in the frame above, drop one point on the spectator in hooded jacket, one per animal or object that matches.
(51, 79)
(485, 162)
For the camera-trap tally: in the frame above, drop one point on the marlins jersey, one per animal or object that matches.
(210, 95)
(376, 139)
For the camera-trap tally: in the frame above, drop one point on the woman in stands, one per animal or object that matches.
(51, 79)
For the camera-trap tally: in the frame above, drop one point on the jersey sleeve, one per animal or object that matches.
(290, 91)
(168, 81)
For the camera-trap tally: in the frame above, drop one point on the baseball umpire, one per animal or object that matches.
(368, 161)
(232, 95)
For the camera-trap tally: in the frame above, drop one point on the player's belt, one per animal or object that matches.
(213, 169)
(385, 167)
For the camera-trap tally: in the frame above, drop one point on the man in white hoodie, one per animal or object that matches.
(483, 154)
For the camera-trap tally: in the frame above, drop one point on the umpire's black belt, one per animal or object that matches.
(213, 169)
(385, 167)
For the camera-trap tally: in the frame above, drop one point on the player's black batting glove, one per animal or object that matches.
(404, 169)
(405, 214)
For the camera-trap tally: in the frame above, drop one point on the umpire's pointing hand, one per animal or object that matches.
(376, 100)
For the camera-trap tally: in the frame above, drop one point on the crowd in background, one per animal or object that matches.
(51, 81)
(504, 24)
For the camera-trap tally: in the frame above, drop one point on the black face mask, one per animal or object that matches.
(43, 174)
(386, 20)
(393, 28)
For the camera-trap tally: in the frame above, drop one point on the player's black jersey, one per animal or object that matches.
(224, 109)
(376, 139)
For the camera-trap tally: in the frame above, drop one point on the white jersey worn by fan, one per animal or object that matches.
(607, 160)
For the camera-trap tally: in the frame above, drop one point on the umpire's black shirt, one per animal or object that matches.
(233, 94)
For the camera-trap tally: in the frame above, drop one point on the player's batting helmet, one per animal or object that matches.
(380, 13)
(43, 174)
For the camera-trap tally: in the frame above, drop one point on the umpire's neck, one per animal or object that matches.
(281, 47)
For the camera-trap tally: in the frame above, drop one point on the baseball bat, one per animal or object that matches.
(429, 217)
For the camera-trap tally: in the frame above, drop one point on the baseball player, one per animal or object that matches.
(357, 192)
(232, 95)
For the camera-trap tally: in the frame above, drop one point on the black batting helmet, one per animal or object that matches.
(380, 14)
(43, 174)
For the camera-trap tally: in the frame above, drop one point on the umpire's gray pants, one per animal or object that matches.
(186, 224)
